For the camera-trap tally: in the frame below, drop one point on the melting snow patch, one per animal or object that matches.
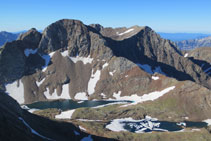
(33, 110)
(105, 65)
(126, 75)
(148, 69)
(81, 96)
(207, 70)
(64, 94)
(208, 121)
(65, 114)
(27, 52)
(32, 130)
(186, 55)
(103, 95)
(39, 83)
(85, 60)
(89, 138)
(181, 124)
(93, 81)
(76, 133)
(15, 91)
(100, 106)
(47, 59)
(82, 128)
(146, 97)
(195, 130)
(138, 126)
(155, 77)
(127, 31)
(88, 120)
(112, 73)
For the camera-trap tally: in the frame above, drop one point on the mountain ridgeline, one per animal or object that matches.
(92, 59)
(71, 60)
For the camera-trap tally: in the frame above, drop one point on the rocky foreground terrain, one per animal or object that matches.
(70, 60)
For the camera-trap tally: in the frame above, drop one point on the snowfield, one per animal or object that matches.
(15, 91)
(93, 81)
(81, 96)
(208, 121)
(64, 94)
(155, 77)
(65, 114)
(146, 97)
(186, 55)
(148, 68)
(47, 59)
(127, 31)
(85, 60)
(39, 83)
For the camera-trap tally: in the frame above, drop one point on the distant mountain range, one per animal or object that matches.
(7, 37)
(182, 36)
(194, 43)
(10, 36)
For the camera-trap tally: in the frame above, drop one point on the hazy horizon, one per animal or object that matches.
(190, 16)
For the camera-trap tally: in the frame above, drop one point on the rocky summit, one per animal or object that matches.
(71, 60)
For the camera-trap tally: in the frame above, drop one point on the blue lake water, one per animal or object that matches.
(68, 104)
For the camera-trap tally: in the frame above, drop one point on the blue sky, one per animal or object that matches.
(160, 15)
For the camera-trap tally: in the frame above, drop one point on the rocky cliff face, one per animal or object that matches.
(71, 60)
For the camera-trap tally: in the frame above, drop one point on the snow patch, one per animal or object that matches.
(93, 81)
(39, 83)
(127, 31)
(195, 130)
(15, 91)
(89, 120)
(186, 55)
(81, 96)
(103, 95)
(100, 106)
(64, 94)
(89, 138)
(148, 69)
(146, 97)
(85, 60)
(112, 73)
(82, 128)
(76, 133)
(32, 130)
(208, 69)
(126, 75)
(208, 121)
(65, 115)
(181, 124)
(47, 59)
(28, 51)
(155, 77)
(105, 65)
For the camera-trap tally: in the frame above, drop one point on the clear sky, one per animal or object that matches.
(160, 15)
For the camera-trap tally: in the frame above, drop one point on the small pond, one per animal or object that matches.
(150, 124)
